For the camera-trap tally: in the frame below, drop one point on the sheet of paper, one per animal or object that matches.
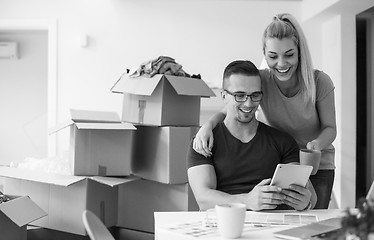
(280, 218)
(207, 226)
(198, 229)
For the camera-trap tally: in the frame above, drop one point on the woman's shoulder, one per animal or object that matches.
(320, 76)
(324, 84)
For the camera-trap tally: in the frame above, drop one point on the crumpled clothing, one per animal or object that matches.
(161, 65)
(3, 198)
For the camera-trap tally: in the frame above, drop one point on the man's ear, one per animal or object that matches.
(223, 95)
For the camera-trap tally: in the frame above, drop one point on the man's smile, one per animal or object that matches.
(246, 109)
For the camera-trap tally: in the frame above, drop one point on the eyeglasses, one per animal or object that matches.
(242, 97)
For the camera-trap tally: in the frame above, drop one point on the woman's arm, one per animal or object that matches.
(203, 141)
(326, 112)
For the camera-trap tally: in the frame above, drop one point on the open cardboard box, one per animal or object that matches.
(160, 153)
(64, 198)
(100, 144)
(15, 215)
(163, 100)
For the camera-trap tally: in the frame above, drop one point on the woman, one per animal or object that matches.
(297, 99)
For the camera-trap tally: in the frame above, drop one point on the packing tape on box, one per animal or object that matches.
(102, 170)
(142, 105)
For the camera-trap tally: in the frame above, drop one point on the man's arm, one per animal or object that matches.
(203, 182)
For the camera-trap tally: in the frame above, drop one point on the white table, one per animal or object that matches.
(163, 220)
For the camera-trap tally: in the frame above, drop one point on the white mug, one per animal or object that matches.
(310, 157)
(230, 219)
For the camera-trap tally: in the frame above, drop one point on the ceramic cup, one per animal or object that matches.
(230, 219)
(310, 157)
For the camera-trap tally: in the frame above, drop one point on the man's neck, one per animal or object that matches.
(242, 131)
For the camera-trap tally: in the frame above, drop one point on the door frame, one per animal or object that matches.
(49, 25)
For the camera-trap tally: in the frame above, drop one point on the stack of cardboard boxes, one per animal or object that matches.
(120, 172)
(166, 112)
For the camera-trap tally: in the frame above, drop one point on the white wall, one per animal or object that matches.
(202, 35)
(311, 8)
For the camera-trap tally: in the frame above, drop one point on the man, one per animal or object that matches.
(245, 152)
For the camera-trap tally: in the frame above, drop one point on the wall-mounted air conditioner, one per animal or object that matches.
(8, 50)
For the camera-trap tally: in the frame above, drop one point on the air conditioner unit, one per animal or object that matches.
(8, 50)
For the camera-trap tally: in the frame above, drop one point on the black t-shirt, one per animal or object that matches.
(240, 166)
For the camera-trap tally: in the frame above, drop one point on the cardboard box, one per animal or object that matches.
(138, 200)
(210, 106)
(15, 215)
(100, 144)
(64, 198)
(162, 100)
(159, 153)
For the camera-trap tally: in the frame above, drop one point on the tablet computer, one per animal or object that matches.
(287, 174)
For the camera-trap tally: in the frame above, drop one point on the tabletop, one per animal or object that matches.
(190, 225)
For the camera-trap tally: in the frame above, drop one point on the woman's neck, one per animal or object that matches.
(290, 87)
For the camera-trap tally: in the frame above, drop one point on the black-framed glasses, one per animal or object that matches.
(242, 97)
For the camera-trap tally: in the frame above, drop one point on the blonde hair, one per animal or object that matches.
(286, 26)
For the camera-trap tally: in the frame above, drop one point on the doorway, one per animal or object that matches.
(365, 102)
(28, 90)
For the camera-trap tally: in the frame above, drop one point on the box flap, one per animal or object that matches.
(114, 126)
(145, 85)
(137, 85)
(60, 126)
(22, 210)
(94, 116)
(190, 86)
(57, 179)
(86, 116)
(112, 181)
(117, 86)
(37, 176)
